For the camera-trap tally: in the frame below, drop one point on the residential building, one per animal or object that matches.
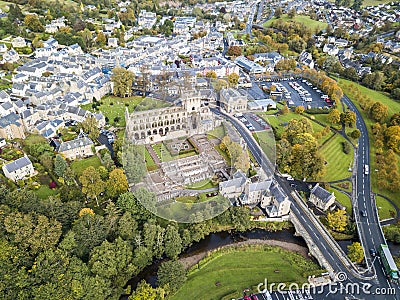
(77, 148)
(19, 169)
(321, 198)
(11, 127)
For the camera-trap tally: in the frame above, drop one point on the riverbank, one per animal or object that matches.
(192, 260)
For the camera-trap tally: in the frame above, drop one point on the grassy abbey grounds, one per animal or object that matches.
(227, 272)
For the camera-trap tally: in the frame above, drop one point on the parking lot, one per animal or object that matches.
(253, 122)
(299, 92)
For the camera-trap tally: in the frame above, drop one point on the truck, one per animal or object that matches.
(391, 270)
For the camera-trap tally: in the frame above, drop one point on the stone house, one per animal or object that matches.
(321, 198)
(19, 169)
(77, 148)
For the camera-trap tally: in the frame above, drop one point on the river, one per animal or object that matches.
(216, 240)
(219, 239)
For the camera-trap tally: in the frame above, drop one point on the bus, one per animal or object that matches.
(388, 263)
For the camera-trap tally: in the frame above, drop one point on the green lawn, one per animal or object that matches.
(338, 162)
(201, 185)
(371, 2)
(343, 199)
(385, 208)
(114, 107)
(393, 107)
(218, 132)
(165, 155)
(150, 164)
(279, 122)
(306, 20)
(79, 166)
(44, 192)
(227, 273)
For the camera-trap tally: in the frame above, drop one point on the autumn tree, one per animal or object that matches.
(122, 80)
(234, 51)
(299, 110)
(356, 252)
(334, 116)
(116, 183)
(378, 111)
(278, 12)
(92, 184)
(211, 74)
(348, 118)
(33, 23)
(233, 79)
(101, 39)
(392, 135)
(337, 220)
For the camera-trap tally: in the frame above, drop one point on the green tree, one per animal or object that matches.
(173, 242)
(92, 185)
(90, 126)
(337, 220)
(356, 252)
(101, 39)
(145, 291)
(355, 134)
(171, 274)
(116, 183)
(122, 80)
(127, 227)
(113, 261)
(60, 165)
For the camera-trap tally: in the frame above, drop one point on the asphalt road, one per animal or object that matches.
(370, 234)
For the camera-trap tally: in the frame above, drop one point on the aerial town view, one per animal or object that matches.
(206, 150)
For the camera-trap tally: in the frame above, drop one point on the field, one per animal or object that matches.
(80, 165)
(306, 20)
(393, 107)
(226, 275)
(372, 2)
(338, 162)
(385, 208)
(114, 107)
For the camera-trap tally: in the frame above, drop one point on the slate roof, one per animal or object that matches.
(11, 118)
(321, 193)
(17, 164)
(74, 144)
(277, 193)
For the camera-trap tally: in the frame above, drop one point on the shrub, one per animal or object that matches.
(346, 147)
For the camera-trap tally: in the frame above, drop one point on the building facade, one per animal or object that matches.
(19, 169)
(185, 119)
